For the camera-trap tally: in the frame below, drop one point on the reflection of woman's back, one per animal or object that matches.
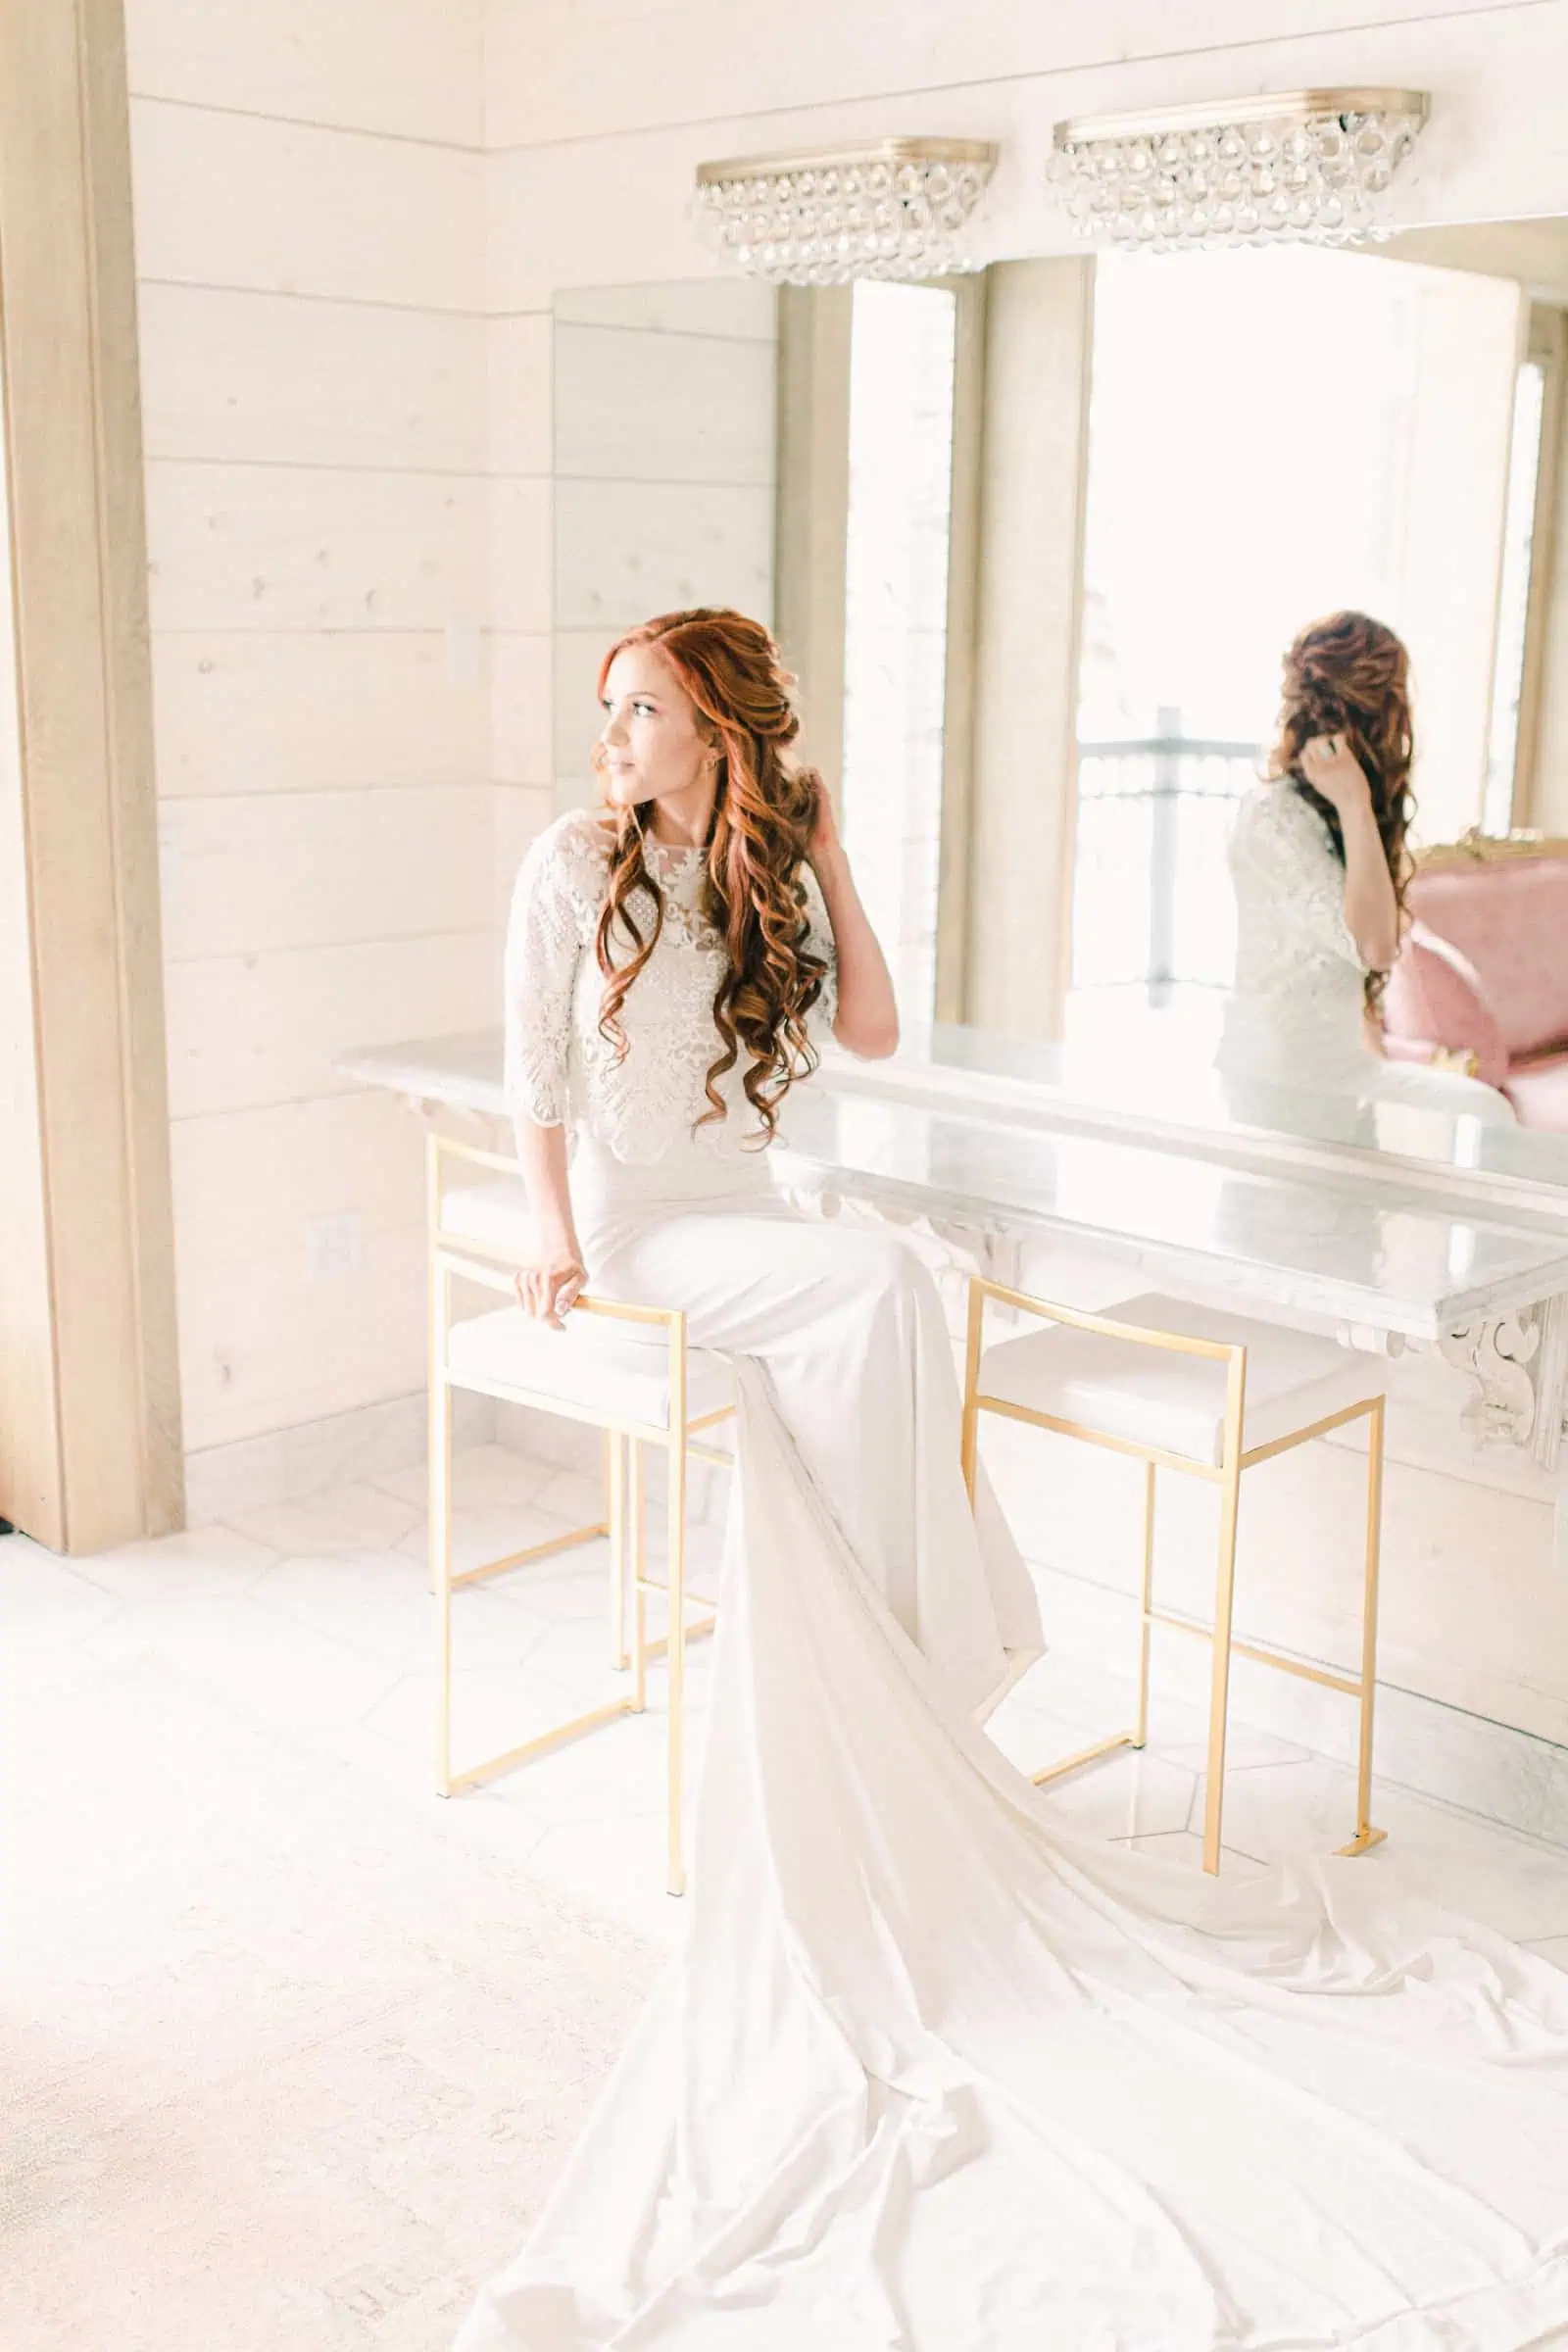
(1318, 862)
(1296, 1014)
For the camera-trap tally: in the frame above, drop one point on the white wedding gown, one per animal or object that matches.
(932, 2074)
(1295, 1015)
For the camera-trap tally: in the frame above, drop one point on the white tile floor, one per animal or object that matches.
(312, 1620)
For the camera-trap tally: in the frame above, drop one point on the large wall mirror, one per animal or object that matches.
(1036, 540)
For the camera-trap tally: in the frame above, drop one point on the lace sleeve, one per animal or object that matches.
(545, 938)
(819, 941)
(1284, 867)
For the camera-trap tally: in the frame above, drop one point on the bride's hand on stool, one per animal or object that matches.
(548, 1290)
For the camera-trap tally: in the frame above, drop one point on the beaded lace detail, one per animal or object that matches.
(1296, 1007)
(558, 1068)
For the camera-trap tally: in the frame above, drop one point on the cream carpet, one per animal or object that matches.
(283, 2063)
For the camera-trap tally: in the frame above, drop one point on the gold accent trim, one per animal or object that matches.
(1083, 1756)
(1109, 1443)
(639, 1584)
(1226, 114)
(1477, 848)
(1235, 1458)
(1304, 1437)
(558, 1737)
(1145, 1607)
(1463, 1058)
(616, 1486)
(850, 156)
(1366, 1834)
(532, 1551)
(1183, 1624)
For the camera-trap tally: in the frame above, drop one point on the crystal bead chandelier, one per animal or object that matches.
(896, 209)
(1308, 166)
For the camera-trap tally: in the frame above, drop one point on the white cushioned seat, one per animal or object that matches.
(1154, 1396)
(496, 1213)
(590, 1363)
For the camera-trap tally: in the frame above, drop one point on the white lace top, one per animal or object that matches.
(1297, 1006)
(559, 1070)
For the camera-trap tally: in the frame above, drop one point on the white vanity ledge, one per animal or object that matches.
(1508, 1175)
(1264, 1237)
(451, 1073)
(1164, 1099)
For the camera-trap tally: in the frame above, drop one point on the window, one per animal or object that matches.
(1273, 436)
(1513, 597)
(902, 356)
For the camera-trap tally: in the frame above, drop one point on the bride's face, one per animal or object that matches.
(650, 746)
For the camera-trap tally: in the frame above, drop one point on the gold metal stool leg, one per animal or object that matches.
(1145, 1601)
(1366, 1837)
(638, 1512)
(440, 1525)
(676, 1644)
(1219, 1688)
(968, 1424)
(616, 1518)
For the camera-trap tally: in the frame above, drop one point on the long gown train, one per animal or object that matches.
(933, 2075)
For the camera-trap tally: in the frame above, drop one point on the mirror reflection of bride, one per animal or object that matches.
(1319, 862)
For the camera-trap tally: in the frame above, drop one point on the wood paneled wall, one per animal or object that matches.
(665, 462)
(315, 365)
(89, 1398)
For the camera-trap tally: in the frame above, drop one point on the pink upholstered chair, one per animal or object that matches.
(1484, 970)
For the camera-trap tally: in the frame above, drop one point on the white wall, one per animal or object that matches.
(666, 454)
(308, 223)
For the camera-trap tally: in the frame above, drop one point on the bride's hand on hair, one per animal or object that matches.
(1332, 768)
(824, 841)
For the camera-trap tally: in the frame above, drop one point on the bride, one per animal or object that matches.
(1319, 866)
(931, 2073)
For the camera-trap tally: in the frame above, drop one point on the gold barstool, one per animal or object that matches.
(637, 1394)
(1168, 1384)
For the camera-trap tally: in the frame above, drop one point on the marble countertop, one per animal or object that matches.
(1159, 1091)
(1314, 1243)
(1152, 1099)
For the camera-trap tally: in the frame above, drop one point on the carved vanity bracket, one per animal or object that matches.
(1518, 1362)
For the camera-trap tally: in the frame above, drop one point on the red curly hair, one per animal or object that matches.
(1348, 675)
(764, 812)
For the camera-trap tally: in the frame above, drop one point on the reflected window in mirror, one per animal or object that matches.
(898, 535)
(1502, 795)
(1273, 436)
